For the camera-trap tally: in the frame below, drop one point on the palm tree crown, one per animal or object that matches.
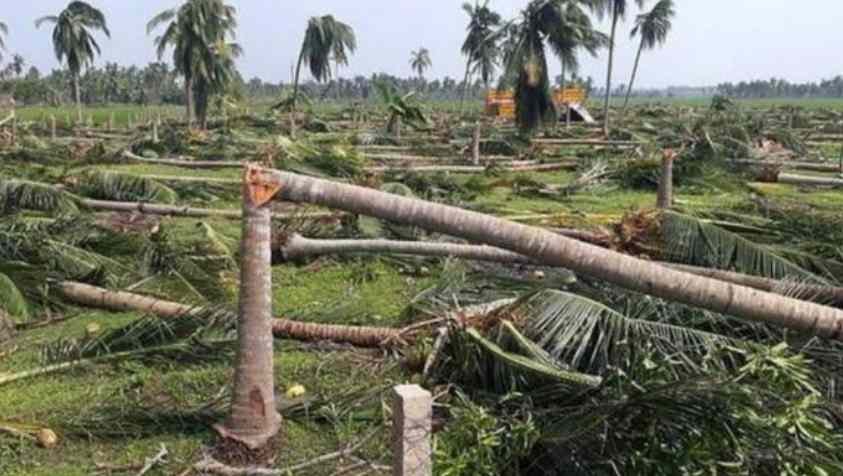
(480, 44)
(325, 39)
(72, 39)
(420, 61)
(654, 26)
(4, 30)
(543, 23)
(198, 32)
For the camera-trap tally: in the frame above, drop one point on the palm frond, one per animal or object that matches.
(16, 195)
(590, 337)
(692, 241)
(124, 187)
(12, 301)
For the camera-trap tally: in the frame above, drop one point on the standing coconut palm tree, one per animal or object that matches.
(325, 39)
(653, 27)
(420, 61)
(196, 31)
(616, 9)
(480, 46)
(73, 42)
(543, 23)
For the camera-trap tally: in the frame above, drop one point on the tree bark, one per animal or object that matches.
(296, 82)
(634, 74)
(99, 298)
(253, 419)
(77, 93)
(553, 250)
(665, 192)
(191, 164)
(475, 145)
(609, 71)
(188, 99)
(465, 84)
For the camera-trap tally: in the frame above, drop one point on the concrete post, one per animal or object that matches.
(412, 411)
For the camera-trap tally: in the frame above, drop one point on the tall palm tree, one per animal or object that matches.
(616, 10)
(420, 61)
(325, 39)
(480, 46)
(653, 27)
(72, 39)
(195, 31)
(543, 23)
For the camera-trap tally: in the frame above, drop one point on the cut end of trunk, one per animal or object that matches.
(235, 449)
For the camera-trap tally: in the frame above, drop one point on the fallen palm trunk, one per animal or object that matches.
(806, 180)
(182, 179)
(183, 211)
(296, 247)
(524, 166)
(191, 164)
(100, 298)
(588, 142)
(787, 164)
(423, 159)
(553, 250)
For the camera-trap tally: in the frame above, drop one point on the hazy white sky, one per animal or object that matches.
(712, 41)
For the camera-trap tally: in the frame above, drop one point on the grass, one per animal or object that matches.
(66, 115)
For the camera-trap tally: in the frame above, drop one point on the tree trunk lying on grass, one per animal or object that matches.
(181, 162)
(121, 301)
(525, 166)
(794, 165)
(553, 250)
(296, 246)
(184, 211)
(586, 142)
(792, 179)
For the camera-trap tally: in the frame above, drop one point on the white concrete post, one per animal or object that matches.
(412, 411)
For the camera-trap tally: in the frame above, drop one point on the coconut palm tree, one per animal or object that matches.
(196, 30)
(616, 10)
(325, 39)
(653, 27)
(216, 79)
(73, 42)
(420, 61)
(543, 23)
(480, 46)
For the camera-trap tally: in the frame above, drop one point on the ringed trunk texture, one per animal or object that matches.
(665, 192)
(634, 74)
(609, 71)
(553, 250)
(253, 419)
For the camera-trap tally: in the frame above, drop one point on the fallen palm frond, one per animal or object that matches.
(123, 187)
(16, 195)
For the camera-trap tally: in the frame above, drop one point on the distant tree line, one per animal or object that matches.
(779, 88)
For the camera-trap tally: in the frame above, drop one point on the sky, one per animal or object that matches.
(712, 41)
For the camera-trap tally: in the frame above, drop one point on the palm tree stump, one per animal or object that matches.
(665, 193)
(253, 420)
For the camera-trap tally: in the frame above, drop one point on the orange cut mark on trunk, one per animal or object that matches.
(259, 190)
(256, 402)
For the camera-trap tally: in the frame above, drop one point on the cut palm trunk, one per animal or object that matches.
(587, 142)
(121, 301)
(526, 166)
(792, 179)
(190, 164)
(792, 165)
(295, 247)
(184, 211)
(253, 419)
(665, 191)
(553, 250)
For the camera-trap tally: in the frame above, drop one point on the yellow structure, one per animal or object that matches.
(502, 103)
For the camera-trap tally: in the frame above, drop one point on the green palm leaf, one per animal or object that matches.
(17, 195)
(124, 187)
